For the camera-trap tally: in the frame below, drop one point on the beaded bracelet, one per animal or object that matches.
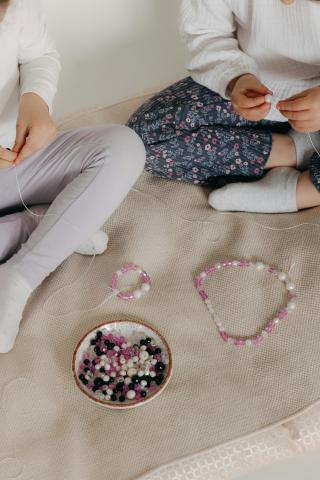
(134, 295)
(270, 327)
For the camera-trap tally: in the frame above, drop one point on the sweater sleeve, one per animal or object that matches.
(39, 60)
(208, 28)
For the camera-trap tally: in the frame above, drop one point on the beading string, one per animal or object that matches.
(86, 271)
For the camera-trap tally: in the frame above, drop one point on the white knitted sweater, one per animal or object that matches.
(279, 44)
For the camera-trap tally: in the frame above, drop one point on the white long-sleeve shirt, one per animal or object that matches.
(279, 44)
(29, 62)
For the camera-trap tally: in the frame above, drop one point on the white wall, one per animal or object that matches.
(113, 49)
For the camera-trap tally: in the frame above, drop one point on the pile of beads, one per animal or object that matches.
(114, 370)
(136, 294)
(271, 326)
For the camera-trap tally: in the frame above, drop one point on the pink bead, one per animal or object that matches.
(203, 295)
(293, 294)
(257, 340)
(282, 314)
(114, 281)
(244, 263)
(198, 282)
(273, 271)
(239, 342)
(125, 296)
(270, 327)
(210, 270)
(224, 336)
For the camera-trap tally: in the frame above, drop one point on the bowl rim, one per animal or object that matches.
(119, 406)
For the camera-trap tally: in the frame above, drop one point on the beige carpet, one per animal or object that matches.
(217, 393)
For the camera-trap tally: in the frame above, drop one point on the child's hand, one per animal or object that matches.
(247, 95)
(7, 158)
(303, 110)
(35, 129)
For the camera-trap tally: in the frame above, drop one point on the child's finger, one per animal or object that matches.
(21, 134)
(251, 102)
(294, 105)
(303, 115)
(304, 127)
(7, 155)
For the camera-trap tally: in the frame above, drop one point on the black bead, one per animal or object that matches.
(148, 340)
(104, 392)
(135, 379)
(106, 342)
(111, 346)
(99, 334)
(86, 361)
(98, 382)
(143, 342)
(160, 367)
(92, 341)
(157, 351)
(94, 389)
(114, 397)
(143, 394)
(119, 386)
(102, 370)
(159, 379)
(87, 370)
(93, 362)
(150, 351)
(131, 386)
(122, 398)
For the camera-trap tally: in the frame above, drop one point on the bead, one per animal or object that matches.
(290, 286)
(153, 361)
(144, 347)
(283, 277)
(203, 275)
(144, 356)
(131, 372)
(143, 394)
(143, 383)
(145, 287)
(264, 334)
(127, 381)
(292, 305)
(135, 359)
(140, 373)
(260, 266)
(231, 341)
(109, 391)
(137, 294)
(131, 395)
(248, 342)
(153, 374)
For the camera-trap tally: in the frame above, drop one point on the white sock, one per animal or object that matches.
(94, 245)
(14, 294)
(274, 193)
(304, 147)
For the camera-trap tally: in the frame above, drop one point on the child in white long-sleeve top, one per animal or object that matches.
(76, 179)
(218, 127)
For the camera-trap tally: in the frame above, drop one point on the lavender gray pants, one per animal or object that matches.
(83, 175)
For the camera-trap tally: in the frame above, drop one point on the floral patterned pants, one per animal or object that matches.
(192, 134)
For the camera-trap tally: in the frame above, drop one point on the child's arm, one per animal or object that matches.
(215, 59)
(39, 73)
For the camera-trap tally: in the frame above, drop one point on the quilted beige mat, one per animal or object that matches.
(218, 393)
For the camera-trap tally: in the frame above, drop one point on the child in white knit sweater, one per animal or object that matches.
(218, 128)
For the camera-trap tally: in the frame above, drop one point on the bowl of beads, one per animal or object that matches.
(122, 364)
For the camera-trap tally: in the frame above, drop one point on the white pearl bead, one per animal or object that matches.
(154, 361)
(143, 383)
(135, 359)
(144, 356)
(119, 273)
(143, 347)
(131, 395)
(153, 374)
(109, 391)
(207, 301)
(106, 378)
(123, 373)
(292, 305)
(131, 372)
(203, 275)
(248, 342)
(264, 334)
(128, 381)
(145, 287)
(130, 363)
(235, 263)
(107, 367)
(137, 294)
(113, 374)
(260, 266)
(116, 348)
(291, 286)
(230, 341)
(108, 398)
(140, 373)
(276, 321)
(283, 277)
(218, 266)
